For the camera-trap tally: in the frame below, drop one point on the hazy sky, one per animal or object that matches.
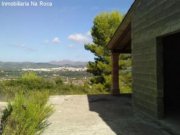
(43, 34)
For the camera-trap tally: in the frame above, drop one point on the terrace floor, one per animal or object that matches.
(98, 115)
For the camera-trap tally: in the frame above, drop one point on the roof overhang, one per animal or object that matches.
(121, 40)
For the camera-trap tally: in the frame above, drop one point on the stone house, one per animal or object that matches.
(150, 31)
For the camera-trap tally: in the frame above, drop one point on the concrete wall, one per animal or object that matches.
(152, 19)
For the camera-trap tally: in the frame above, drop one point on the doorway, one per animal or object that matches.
(171, 56)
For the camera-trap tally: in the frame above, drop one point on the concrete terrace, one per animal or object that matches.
(98, 115)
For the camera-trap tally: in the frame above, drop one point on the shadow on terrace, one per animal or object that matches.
(117, 113)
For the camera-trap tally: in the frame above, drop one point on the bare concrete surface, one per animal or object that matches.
(98, 115)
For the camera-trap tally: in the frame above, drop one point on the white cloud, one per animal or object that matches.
(55, 40)
(26, 48)
(80, 38)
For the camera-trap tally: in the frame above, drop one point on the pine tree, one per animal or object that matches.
(104, 26)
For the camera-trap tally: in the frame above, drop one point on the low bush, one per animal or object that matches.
(30, 81)
(27, 114)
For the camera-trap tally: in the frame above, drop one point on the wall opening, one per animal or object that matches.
(171, 73)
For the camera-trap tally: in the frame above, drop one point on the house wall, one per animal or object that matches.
(152, 19)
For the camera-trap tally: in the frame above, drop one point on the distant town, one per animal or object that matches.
(64, 68)
(69, 71)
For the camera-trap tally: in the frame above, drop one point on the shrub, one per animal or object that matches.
(31, 80)
(27, 76)
(125, 81)
(58, 81)
(27, 114)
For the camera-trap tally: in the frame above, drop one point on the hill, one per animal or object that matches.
(52, 64)
(20, 65)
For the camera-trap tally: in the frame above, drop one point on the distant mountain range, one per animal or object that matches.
(21, 65)
(52, 64)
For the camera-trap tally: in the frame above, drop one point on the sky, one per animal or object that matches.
(51, 33)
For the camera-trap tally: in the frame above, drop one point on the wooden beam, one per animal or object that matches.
(115, 74)
(124, 39)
